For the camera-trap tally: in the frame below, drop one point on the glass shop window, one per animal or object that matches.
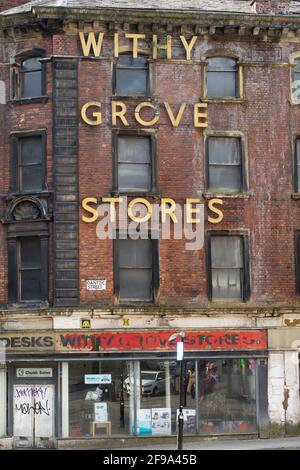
(132, 76)
(227, 396)
(227, 267)
(98, 402)
(225, 165)
(222, 78)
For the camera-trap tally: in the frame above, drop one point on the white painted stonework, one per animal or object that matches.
(284, 379)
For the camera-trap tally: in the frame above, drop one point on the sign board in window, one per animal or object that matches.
(100, 410)
(95, 284)
(23, 373)
(93, 379)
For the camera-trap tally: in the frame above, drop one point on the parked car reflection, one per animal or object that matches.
(153, 383)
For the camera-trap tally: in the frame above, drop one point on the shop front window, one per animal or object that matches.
(227, 396)
(98, 404)
(141, 398)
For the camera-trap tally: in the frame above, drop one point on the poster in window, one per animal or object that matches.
(161, 421)
(144, 426)
(100, 410)
(189, 420)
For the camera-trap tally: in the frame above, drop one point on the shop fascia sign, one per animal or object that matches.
(91, 112)
(125, 341)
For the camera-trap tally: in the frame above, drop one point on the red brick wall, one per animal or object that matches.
(265, 117)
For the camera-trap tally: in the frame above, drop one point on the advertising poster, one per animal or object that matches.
(144, 425)
(189, 420)
(161, 421)
(100, 410)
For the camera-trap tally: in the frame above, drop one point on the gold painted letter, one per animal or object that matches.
(85, 205)
(198, 115)
(135, 42)
(113, 201)
(188, 47)
(175, 120)
(86, 45)
(211, 207)
(96, 114)
(167, 46)
(190, 210)
(118, 114)
(139, 200)
(140, 120)
(168, 206)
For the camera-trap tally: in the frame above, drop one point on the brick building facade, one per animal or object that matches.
(236, 299)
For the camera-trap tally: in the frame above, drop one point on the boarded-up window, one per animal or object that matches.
(132, 76)
(135, 269)
(229, 267)
(222, 78)
(225, 164)
(134, 163)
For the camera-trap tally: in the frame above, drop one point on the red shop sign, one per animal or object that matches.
(211, 340)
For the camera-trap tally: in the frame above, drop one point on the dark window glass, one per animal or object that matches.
(132, 76)
(30, 163)
(134, 163)
(225, 164)
(297, 164)
(31, 78)
(135, 269)
(226, 267)
(222, 78)
(30, 269)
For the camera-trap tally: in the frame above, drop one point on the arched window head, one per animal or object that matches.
(132, 76)
(222, 78)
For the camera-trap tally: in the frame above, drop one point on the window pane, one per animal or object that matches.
(298, 175)
(31, 178)
(226, 284)
(31, 150)
(131, 82)
(31, 285)
(297, 65)
(129, 61)
(224, 150)
(32, 64)
(134, 149)
(221, 64)
(30, 252)
(226, 179)
(137, 177)
(136, 284)
(221, 84)
(226, 252)
(135, 253)
(31, 84)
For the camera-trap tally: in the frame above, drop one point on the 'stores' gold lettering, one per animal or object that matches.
(215, 210)
(91, 210)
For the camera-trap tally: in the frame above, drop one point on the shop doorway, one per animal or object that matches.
(33, 415)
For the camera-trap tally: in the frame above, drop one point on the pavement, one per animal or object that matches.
(288, 443)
